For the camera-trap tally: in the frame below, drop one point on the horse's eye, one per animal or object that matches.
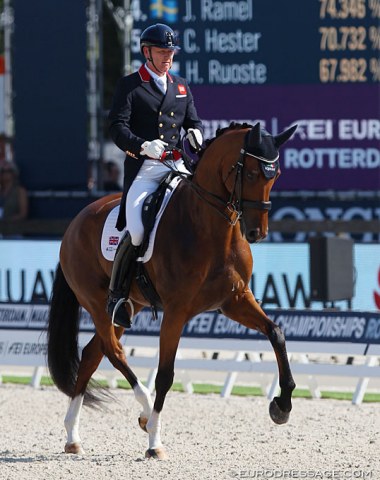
(251, 174)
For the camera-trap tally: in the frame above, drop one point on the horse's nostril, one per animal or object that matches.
(253, 235)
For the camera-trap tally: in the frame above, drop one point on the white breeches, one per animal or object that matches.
(146, 182)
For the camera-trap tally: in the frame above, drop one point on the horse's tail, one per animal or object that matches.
(62, 334)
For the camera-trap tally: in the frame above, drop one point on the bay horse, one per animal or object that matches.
(201, 261)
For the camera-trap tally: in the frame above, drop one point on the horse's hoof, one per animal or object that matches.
(276, 414)
(75, 448)
(142, 422)
(156, 453)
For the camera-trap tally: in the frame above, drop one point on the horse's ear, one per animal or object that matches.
(254, 136)
(284, 136)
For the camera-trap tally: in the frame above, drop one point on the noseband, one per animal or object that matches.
(236, 203)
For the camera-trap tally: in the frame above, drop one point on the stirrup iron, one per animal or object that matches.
(118, 305)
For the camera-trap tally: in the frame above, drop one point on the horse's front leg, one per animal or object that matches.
(142, 395)
(243, 308)
(171, 329)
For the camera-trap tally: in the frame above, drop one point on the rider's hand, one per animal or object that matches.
(195, 138)
(153, 149)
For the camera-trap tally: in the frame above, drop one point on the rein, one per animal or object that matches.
(235, 203)
(200, 192)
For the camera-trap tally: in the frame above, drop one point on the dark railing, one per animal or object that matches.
(38, 227)
(57, 227)
(334, 226)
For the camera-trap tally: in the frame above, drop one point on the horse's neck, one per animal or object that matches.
(207, 217)
(209, 178)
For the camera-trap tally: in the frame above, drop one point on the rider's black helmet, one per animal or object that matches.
(158, 35)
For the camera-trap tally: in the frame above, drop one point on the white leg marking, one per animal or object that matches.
(154, 429)
(72, 419)
(143, 396)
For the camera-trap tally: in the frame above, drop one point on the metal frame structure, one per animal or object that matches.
(6, 24)
(95, 88)
(124, 22)
(123, 19)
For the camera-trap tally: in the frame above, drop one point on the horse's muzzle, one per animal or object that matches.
(255, 235)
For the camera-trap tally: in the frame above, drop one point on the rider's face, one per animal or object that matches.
(162, 59)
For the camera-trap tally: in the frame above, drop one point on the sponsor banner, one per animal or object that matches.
(298, 325)
(336, 145)
(33, 317)
(29, 347)
(23, 347)
(280, 277)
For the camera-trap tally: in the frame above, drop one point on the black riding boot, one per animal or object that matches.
(123, 271)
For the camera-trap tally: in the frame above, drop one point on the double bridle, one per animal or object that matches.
(235, 204)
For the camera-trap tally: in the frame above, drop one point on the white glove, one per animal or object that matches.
(153, 149)
(195, 138)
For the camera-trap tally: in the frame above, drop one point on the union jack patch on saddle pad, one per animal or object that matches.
(113, 240)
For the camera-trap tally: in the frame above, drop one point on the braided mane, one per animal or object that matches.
(232, 126)
(221, 131)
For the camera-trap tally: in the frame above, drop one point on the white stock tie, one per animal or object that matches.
(161, 83)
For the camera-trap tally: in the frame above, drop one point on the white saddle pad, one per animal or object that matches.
(111, 236)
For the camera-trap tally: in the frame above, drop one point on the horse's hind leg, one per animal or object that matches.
(114, 351)
(243, 308)
(91, 357)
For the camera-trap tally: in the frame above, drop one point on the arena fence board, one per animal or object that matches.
(324, 334)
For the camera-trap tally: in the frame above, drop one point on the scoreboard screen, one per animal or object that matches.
(311, 62)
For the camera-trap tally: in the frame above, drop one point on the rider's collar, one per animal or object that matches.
(146, 73)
